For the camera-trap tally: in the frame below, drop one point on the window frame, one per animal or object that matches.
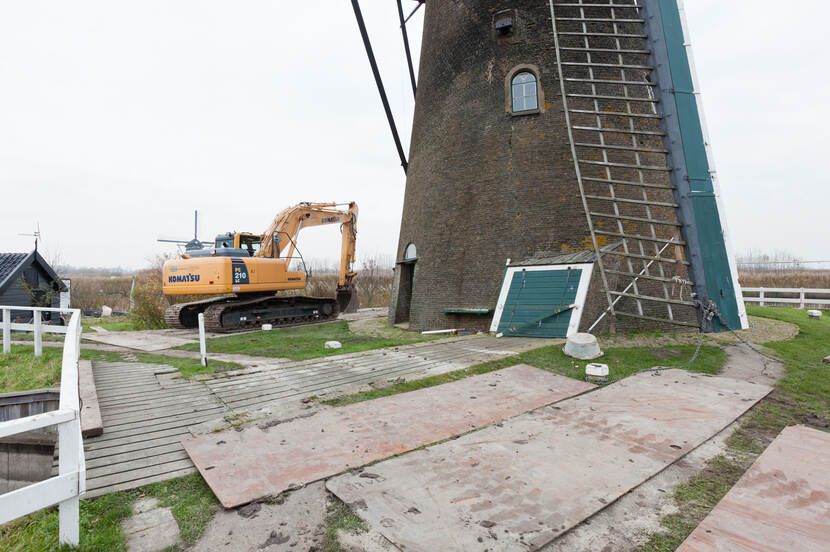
(523, 87)
(406, 256)
(533, 70)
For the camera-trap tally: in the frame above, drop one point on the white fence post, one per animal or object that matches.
(7, 331)
(38, 333)
(70, 443)
(69, 511)
(65, 488)
(801, 296)
(202, 346)
(762, 297)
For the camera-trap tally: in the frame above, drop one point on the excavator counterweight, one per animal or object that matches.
(244, 272)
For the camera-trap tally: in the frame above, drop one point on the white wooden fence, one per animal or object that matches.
(37, 326)
(802, 297)
(66, 488)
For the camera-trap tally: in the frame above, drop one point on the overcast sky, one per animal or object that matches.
(118, 119)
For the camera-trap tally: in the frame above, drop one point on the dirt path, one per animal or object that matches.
(761, 330)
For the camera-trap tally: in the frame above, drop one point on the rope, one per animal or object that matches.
(659, 369)
(711, 311)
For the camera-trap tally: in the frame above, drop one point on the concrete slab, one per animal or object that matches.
(744, 363)
(368, 541)
(246, 465)
(781, 504)
(520, 484)
(151, 529)
(292, 523)
(145, 504)
(147, 341)
(365, 314)
(158, 340)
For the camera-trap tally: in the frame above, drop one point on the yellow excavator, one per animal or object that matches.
(247, 270)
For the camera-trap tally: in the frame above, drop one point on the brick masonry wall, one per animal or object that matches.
(484, 185)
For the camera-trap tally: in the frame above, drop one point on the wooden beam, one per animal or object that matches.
(91, 423)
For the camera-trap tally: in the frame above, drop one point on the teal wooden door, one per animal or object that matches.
(538, 303)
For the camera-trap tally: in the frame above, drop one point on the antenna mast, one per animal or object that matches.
(35, 234)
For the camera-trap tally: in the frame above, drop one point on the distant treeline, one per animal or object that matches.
(68, 271)
(809, 279)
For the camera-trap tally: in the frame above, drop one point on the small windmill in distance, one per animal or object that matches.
(190, 245)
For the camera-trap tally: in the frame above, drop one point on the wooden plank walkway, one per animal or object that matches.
(146, 417)
(325, 375)
(144, 422)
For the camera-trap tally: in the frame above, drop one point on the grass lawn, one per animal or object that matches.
(802, 396)
(30, 336)
(112, 323)
(303, 342)
(622, 362)
(20, 370)
(187, 367)
(188, 497)
(339, 517)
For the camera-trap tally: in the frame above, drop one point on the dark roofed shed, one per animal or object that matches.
(27, 280)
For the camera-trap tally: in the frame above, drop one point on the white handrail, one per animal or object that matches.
(36, 326)
(787, 290)
(804, 296)
(66, 488)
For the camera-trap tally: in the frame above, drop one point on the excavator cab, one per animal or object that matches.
(225, 240)
(249, 243)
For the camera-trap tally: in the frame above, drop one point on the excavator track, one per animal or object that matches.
(235, 315)
(185, 315)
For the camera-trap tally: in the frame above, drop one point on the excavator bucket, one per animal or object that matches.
(347, 299)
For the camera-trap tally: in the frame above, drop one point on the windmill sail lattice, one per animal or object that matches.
(626, 145)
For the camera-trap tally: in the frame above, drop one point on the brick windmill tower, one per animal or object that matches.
(559, 176)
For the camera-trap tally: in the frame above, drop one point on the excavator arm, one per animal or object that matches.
(280, 240)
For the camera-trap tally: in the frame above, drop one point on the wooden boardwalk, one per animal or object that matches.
(146, 413)
(257, 387)
(144, 422)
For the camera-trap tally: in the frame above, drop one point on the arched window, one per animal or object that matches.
(410, 254)
(524, 92)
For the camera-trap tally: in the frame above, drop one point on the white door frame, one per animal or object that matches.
(581, 292)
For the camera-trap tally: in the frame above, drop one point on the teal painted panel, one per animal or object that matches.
(715, 259)
(537, 301)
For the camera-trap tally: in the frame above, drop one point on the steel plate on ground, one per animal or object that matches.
(247, 465)
(781, 504)
(520, 484)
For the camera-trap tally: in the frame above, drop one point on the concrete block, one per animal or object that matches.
(150, 531)
(291, 522)
(145, 505)
(583, 346)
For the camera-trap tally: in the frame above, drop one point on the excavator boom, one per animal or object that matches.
(281, 236)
